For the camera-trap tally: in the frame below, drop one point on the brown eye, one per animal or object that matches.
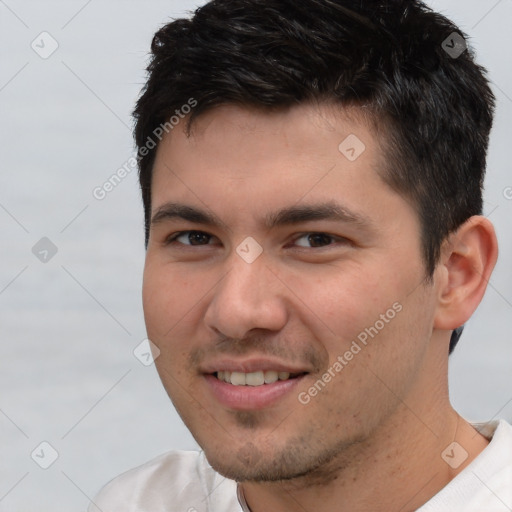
(190, 238)
(315, 240)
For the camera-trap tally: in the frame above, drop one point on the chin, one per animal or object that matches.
(249, 463)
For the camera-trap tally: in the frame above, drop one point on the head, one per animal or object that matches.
(385, 57)
(258, 107)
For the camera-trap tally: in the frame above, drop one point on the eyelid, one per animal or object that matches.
(172, 237)
(336, 238)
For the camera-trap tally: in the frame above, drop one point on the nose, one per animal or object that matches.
(250, 296)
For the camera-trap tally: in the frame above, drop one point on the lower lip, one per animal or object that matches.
(245, 398)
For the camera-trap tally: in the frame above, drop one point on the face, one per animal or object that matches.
(284, 287)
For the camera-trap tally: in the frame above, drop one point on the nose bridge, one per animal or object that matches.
(246, 282)
(246, 298)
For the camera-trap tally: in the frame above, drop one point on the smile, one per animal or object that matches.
(258, 378)
(254, 390)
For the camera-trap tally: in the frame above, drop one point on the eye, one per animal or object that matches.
(189, 238)
(307, 240)
(315, 240)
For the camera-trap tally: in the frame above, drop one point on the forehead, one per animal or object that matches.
(302, 130)
(242, 161)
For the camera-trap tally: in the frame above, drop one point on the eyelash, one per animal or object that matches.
(172, 238)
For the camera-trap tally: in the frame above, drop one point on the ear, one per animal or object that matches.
(467, 260)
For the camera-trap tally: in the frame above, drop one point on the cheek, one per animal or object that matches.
(341, 304)
(165, 303)
(156, 302)
(367, 314)
(170, 298)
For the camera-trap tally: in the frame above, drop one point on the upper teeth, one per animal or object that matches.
(253, 378)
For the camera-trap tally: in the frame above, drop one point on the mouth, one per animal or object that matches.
(257, 378)
(253, 389)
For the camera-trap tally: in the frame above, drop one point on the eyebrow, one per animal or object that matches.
(287, 216)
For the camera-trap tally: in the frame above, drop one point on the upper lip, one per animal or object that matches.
(250, 366)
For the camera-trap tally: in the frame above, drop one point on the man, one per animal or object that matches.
(312, 180)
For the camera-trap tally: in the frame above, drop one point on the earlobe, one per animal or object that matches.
(467, 261)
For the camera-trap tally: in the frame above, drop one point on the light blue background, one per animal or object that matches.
(68, 327)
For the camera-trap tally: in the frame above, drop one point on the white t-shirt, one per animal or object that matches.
(183, 481)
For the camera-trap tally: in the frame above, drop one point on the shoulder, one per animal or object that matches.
(492, 471)
(177, 480)
(486, 483)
